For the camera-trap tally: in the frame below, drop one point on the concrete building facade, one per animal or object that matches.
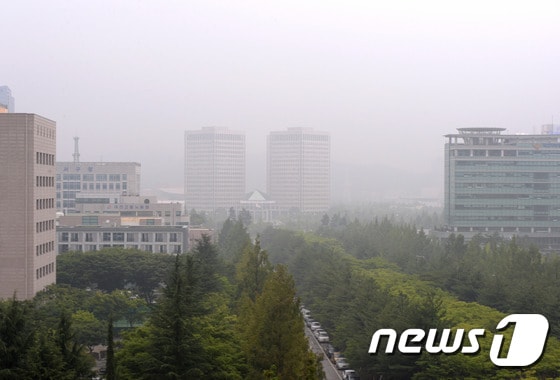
(132, 206)
(505, 184)
(95, 178)
(155, 239)
(299, 170)
(215, 169)
(27, 201)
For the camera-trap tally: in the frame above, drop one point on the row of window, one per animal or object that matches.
(45, 203)
(46, 225)
(44, 181)
(44, 131)
(45, 270)
(504, 196)
(501, 163)
(144, 247)
(509, 229)
(120, 237)
(91, 177)
(45, 159)
(41, 249)
(92, 186)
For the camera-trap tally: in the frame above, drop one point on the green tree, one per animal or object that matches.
(76, 361)
(44, 360)
(233, 240)
(110, 367)
(89, 330)
(275, 342)
(205, 255)
(253, 270)
(16, 337)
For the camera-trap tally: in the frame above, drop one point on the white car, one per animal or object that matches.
(314, 326)
(348, 374)
(323, 337)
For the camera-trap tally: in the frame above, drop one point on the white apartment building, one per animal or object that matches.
(95, 178)
(149, 238)
(214, 169)
(27, 201)
(299, 170)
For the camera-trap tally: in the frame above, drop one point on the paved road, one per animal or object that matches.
(331, 373)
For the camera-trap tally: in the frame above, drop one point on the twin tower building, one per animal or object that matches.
(298, 171)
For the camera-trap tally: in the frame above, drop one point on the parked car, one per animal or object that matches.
(335, 356)
(341, 363)
(309, 321)
(317, 331)
(323, 337)
(329, 350)
(348, 374)
(314, 326)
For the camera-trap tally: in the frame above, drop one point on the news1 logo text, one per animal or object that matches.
(525, 348)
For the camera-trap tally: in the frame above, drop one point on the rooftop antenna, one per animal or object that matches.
(76, 154)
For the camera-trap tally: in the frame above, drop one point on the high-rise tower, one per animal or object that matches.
(214, 169)
(27, 220)
(7, 101)
(299, 170)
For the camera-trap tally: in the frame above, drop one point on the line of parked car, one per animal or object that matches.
(335, 357)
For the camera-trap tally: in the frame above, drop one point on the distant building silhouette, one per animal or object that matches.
(7, 101)
(214, 169)
(299, 170)
(27, 221)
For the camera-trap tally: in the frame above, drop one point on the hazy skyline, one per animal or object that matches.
(386, 79)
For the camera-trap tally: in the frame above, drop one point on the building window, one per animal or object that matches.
(64, 236)
(130, 237)
(74, 236)
(89, 236)
(159, 237)
(106, 236)
(118, 236)
(145, 237)
(90, 220)
(173, 237)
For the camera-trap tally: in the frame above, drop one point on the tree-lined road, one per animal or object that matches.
(331, 373)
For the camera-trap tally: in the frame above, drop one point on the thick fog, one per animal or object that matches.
(386, 79)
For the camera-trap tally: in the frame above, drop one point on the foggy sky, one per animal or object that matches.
(387, 79)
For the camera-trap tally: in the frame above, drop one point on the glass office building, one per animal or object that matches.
(505, 184)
